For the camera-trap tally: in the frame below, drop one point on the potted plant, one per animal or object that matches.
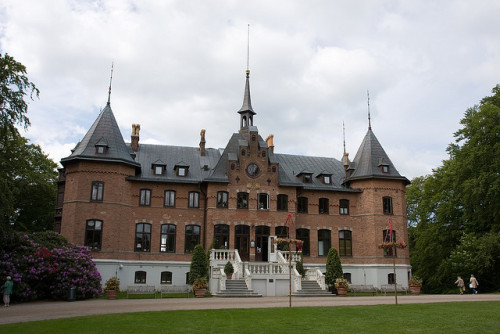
(229, 270)
(341, 284)
(112, 287)
(415, 284)
(200, 286)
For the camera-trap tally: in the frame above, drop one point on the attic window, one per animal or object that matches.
(254, 138)
(385, 169)
(158, 170)
(181, 171)
(307, 178)
(101, 149)
(327, 179)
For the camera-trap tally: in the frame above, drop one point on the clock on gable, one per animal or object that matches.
(253, 170)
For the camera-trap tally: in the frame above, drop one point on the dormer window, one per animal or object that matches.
(181, 169)
(101, 147)
(307, 178)
(327, 179)
(383, 166)
(159, 167)
(385, 169)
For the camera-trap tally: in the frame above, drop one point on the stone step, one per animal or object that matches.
(236, 288)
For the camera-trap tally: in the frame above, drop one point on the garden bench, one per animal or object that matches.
(166, 289)
(390, 288)
(141, 290)
(363, 288)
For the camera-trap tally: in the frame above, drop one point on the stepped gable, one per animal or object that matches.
(371, 161)
(171, 157)
(104, 133)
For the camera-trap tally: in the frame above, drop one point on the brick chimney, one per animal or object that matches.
(269, 142)
(202, 142)
(135, 137)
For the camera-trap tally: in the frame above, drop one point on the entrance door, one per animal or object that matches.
(242, 241)
(261, 244)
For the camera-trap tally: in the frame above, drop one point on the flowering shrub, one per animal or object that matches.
(389, 244)
(48, 267)
(415, 281)
(341, 283)
(113, 284)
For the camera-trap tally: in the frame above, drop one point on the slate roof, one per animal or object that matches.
(104, 131)
(369, 158)
(173, 156)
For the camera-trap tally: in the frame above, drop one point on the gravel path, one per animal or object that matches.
(62, 309)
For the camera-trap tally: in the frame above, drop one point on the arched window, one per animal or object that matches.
(142, 237)
(324, 242)
(389, 236)
(345, 243)
(221, 236)
(140, 277)
(192, 238)
(168, 234)
(93, 234)
(166, 277)
(303, 234)
(222, 199)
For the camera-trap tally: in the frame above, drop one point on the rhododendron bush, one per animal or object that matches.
(44, 265)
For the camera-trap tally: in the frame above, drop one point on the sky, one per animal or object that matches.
(179, 67)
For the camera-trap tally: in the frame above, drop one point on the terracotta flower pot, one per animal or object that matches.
(341, 292)
(415, 290)
(199, 293)
(111, 294)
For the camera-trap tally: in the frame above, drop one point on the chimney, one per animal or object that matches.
(135, 137)
(202, 142)
(346, 163)
(269, 142)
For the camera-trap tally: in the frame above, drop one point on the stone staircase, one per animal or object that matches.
(312, 289)
(236, 288)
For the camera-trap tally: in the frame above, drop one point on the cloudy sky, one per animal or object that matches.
(179, 67)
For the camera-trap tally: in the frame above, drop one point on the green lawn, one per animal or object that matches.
(459, 317)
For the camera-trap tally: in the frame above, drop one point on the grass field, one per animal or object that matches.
(460, 317)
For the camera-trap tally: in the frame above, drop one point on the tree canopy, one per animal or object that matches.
(454, 213)
(27, 175)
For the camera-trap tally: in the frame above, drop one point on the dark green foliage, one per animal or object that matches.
(27, 175)
(333, 267)
(300, 266)
(454, 213)
(199, 264)
(228, 268)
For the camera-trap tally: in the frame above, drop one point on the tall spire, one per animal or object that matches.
(110, 80)
(369, 118)
(246, 110)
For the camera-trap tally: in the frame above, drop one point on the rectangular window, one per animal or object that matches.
(221, 236)
(192, 238)
(93, 234)
(345, 243)
(347, 276)
(166, 277)
(222, 198)
(326, 179)
(142, 238)
(169, 198)
(344, 207)
(242, 201)
(194, 199)
(158, 170)
(303, 234)
(390, 278)
(307, 178)
(302, 205)
(168, 238)
(323, 205)
(387, 204)
(324, 242)
(282, 203)
(97, 191)
(263, 201)
(145, 197)
(181, 171)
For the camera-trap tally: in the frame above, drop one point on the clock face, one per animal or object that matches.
(252, 170)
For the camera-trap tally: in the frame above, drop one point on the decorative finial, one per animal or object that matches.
(248, 52)
(343, 135)
(369, 118)
(110, 80)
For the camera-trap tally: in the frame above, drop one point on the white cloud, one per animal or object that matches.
(179, 67)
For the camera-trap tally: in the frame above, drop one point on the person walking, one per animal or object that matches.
(460, 283)
(7, 291)
(473, 284)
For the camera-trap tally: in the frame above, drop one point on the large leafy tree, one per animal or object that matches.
(454, 214)
(27, 175)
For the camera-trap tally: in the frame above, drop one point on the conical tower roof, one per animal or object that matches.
(247, 101)
(104, 133)
(371, 161)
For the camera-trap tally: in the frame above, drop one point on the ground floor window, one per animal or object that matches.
(303, 234)
(390, 278)
(143, 238)
(347, 276)
(166, 277)
(93, 233)
(323, 242)
(221, 236)
(192, 238)
(140, 277)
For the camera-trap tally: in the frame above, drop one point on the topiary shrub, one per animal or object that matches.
(199, 264)
(228, 268)
(333, 267)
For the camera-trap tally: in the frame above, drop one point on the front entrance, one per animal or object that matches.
(261, 243)
(242, 241)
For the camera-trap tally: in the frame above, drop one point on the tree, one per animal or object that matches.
(454, 213)
(333, 267)
(27, 175)
(14, 85)
(199, 264)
